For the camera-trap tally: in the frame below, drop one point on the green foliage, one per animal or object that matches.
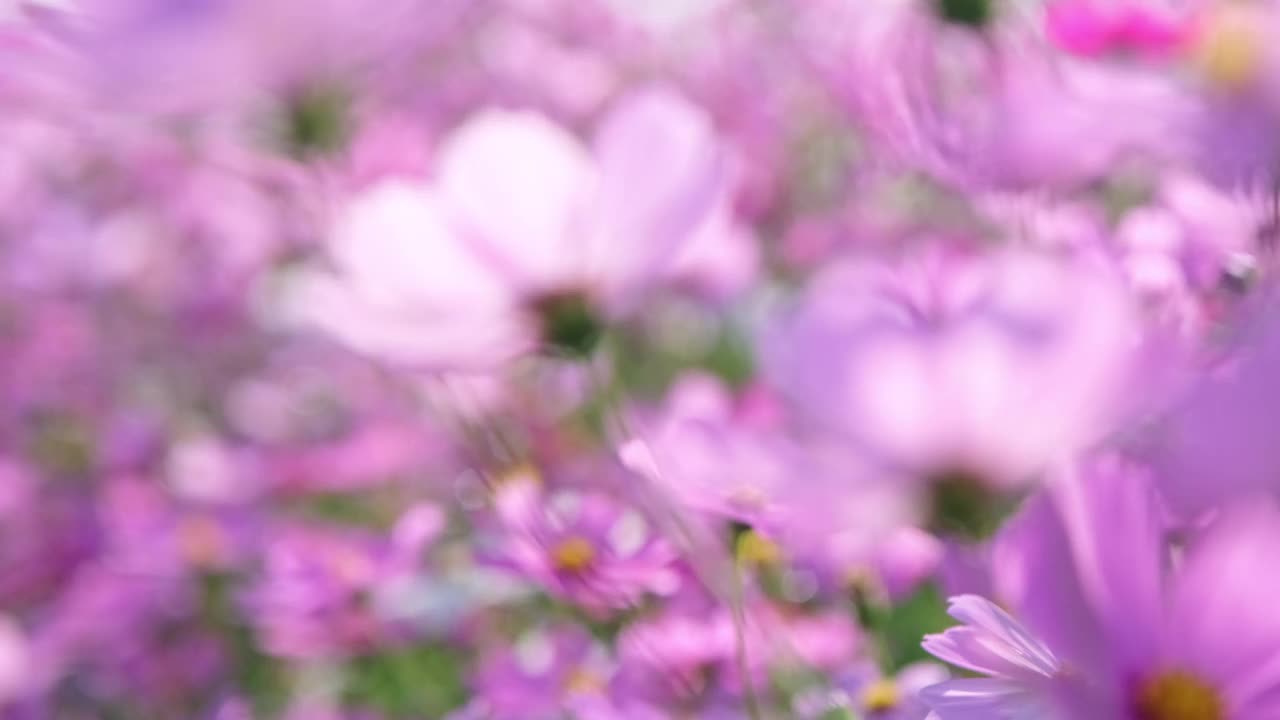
(570, 325)
(368, 508)
(730, 358)
(63, 445)
(424, 681)
(262, 677)
(316, 122)
(898, 628)
(973, 13)
(963, 505)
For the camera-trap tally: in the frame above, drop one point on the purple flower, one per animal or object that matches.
(905, 63)
(906, 559)
(986, 366)
(543, 672)
(689, 653)
(151, 648)
(14, 660)
(1191, 241)
(1090, 27)
(46, 533)
(1216, 445)
(864, 691)
(720, 456)
(1118, 622)
(677, 656)
(1238, 74)
(721, 461)
(583, 547)
(991, 643)
(328, 592)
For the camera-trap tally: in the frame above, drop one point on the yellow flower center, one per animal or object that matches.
(581, 681)
(574, 554)
(1231, 49)
(1178, 695)
(201, 541)
(518, 473)
(880, 696)
(352, 566)
(757, 549)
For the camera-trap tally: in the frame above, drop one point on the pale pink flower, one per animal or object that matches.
(992, 364)
(524, 238)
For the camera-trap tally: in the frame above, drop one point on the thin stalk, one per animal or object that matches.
(672, 512)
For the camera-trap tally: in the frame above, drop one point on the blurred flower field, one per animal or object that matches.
(639, 360)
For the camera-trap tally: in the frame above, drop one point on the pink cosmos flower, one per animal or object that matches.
(1218, 444)
(46, 534)
(524, 238)
(583, 547)
(329, 592)
(1191, 236)
(689, 652)
(240, 58)
(1114, 619)
(13, 659)
(1095, 27)
(1236, 69)
(677, 656)
(735, 459)
(862, 690)
(719, 460)
(989, 365)
(966, 102)
(541, 673)
(722, 259)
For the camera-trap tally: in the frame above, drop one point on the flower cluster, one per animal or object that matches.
(639, 359)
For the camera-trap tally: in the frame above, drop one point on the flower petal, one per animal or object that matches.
(515, 182)
(661, 176)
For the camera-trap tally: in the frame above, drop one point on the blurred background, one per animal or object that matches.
(616, 359)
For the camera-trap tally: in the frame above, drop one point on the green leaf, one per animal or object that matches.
(262, 677)
(904, 625)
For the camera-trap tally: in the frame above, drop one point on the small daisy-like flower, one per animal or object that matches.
(583, 547)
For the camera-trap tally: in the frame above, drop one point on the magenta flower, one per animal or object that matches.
(328, 592)
(720, 460)
(688, 654)
(733, 459)
(1117, 621)
(46, 534)
(991, 643)
(863, 690)
(1236, 70)
(1216, 446)
(541, 674)
(676, 657)
(1096, 27)
(807, 309)
(1192, 237)
(583, 547)
(906, 60)
(13, 660)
